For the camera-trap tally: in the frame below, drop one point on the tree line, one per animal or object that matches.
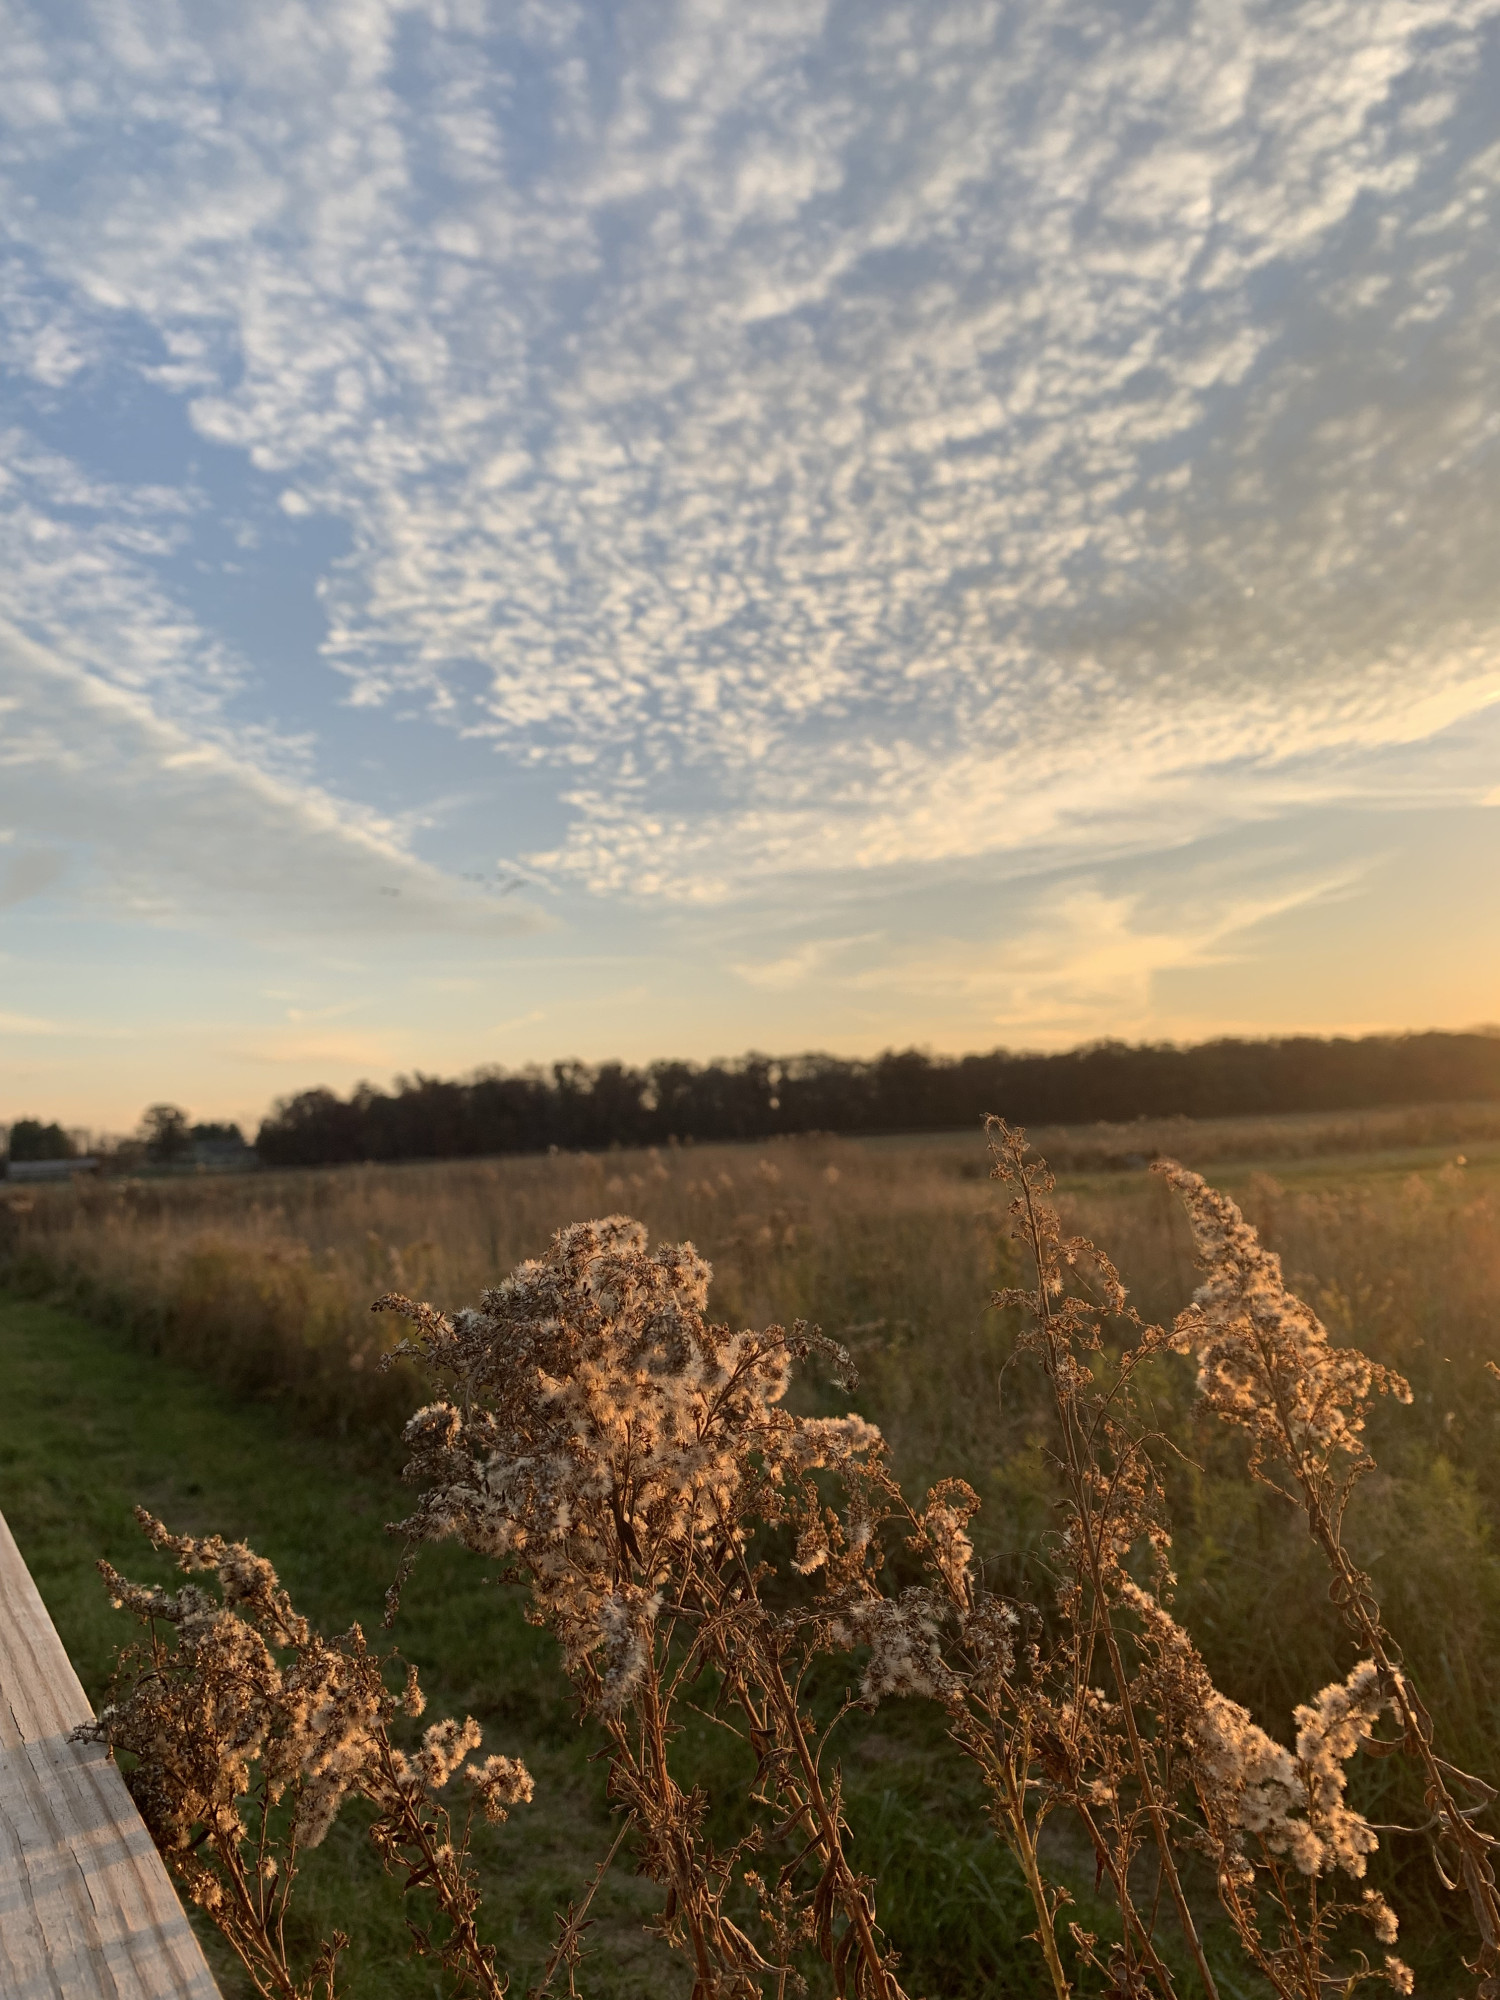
(581, 1107)
(165, 1137)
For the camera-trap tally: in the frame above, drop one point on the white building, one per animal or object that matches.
(49, 1170)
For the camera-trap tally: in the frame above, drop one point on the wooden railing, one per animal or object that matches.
(87, 1911)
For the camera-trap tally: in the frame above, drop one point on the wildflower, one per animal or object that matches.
(814, 1443)
(615, 1449)
(499, 1782)
(905, 1656)
(1329, 1731)
(1249, 1783)
(413, 1701)
(603, 1436)
(1381, 1916)
(1265, 1364)
(990, 1631)
(625, 1619)
(444, 1747)
(252, 1706)
(945, 1522)
(812, 1548)
(1264, 1359)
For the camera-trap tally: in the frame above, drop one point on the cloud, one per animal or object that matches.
(826, 438)
(1090, 959)
(30, 873)
(371, 1051)
(1154, 780)
(793, 968)
(525, 1020)
(1080, 954)
(172, 826)
(27, 1024)
(83, 560)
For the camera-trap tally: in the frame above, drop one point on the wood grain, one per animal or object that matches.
(87, 1911)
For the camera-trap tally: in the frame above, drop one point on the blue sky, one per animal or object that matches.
(548, 529)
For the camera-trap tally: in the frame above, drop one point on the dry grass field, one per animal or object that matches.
(1388, 1223)
(890, 1245)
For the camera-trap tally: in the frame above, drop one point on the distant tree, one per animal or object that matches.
(164, 1127)
(216, 1135)
(579, 1105)
(30, 1139)
(316, 1128)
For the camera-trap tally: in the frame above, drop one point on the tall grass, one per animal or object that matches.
(266, 1281)
(895, 1249)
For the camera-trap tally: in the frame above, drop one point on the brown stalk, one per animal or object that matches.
(568, 1949)
(403, 1824)
(853, 1899)
(1079, 1484)
(1360, 1609)
(198, 1717)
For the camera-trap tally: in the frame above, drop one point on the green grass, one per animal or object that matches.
(89, 1426)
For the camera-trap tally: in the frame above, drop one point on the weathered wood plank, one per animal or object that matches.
(87, 1911)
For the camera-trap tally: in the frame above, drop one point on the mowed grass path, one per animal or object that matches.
(90, 1426)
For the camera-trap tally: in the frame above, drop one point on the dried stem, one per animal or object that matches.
(1082, 1474)
(569, 1947)
(252, 1704)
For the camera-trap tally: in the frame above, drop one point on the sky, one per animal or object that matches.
(622, 530)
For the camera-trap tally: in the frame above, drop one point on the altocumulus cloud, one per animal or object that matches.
(826, 437)
(169, 825)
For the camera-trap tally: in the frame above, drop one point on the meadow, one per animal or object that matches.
(206, 1345)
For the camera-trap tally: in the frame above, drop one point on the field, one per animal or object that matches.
(206, 1346)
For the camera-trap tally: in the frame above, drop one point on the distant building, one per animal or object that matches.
(222, 1155)
(49, 1170)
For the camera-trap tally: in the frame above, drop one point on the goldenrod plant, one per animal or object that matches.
(706, 1552)
(245, 1731)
